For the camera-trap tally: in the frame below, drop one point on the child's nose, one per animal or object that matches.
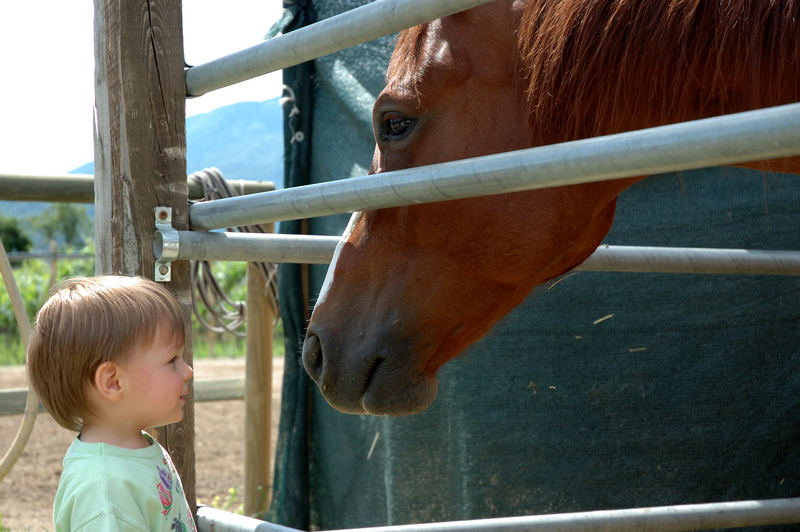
(189, 372)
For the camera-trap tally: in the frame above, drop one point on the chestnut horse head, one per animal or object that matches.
(411, 287)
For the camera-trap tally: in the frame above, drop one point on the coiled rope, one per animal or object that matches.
(225, 314)
(32, 403)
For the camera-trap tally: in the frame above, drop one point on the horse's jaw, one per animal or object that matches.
(368, 355)
(369, 350)
(386, 364)
(392, 312)
(381, 362)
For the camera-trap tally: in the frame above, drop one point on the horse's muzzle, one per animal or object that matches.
(356, 383)
(312, 357)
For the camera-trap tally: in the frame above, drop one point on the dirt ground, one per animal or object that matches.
(27, 492)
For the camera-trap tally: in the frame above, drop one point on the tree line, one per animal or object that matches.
(66, 223)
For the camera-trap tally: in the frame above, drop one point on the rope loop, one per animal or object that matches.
(225, 314)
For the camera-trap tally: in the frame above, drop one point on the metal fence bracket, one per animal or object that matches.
(165, 244)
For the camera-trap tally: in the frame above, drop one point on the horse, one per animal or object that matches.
(410, 288)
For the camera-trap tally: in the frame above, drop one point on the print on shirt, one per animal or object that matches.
(177, 525)
(165, 490)
(165, 485)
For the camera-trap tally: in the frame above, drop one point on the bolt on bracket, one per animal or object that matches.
(166, 244)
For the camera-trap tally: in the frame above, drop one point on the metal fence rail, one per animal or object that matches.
(661, 519)
(248, 247)
(79, 188)
(356, 26)
(644, 259)
(317, 249)
(750, 136)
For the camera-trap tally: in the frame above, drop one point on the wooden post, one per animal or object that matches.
(140, 160)
(258, 395)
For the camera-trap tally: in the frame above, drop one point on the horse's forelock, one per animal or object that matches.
(408, 55)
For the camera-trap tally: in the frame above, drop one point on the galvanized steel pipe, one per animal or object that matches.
(356, 26)
(248, 247)
(316, 249)
(211, 519)
(661, 519)
(654, 519)
(750, 136)
(644, 259)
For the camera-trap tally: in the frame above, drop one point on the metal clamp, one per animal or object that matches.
(166, 244)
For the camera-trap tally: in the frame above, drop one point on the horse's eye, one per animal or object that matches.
(396, 127)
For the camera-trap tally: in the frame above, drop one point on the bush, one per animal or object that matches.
(14, 237)
(33, 279)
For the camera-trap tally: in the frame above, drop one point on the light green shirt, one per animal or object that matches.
(109, 488)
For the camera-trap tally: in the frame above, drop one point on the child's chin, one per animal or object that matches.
(175, 419)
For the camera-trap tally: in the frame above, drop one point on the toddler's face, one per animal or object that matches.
(157, 381)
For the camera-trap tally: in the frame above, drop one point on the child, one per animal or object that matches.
(106, 358)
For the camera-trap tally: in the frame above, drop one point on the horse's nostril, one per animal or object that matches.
(312, 356)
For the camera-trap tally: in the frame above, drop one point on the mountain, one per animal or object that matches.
(243, 140)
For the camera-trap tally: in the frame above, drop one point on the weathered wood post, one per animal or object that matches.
(258, 394)
(140, 159)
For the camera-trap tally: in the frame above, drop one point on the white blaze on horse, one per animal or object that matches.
(413, 286)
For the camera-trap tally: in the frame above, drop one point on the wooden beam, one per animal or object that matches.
(140, 160)
(12, 400)
(258, 395)
(79, 188)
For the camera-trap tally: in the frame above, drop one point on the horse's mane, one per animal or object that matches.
(593, 67)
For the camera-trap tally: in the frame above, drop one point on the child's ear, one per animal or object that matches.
(106, 380)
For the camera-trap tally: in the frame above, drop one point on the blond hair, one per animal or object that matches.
(88, 321)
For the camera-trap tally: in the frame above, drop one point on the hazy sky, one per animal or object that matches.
(47, 72)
